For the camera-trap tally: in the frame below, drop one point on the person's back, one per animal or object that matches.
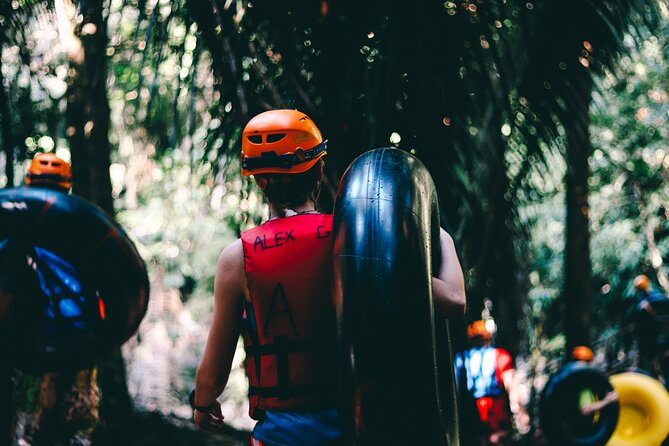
(289, 330)
(273, 285)
(55, 403)
(489, 374)
(485, 366)
(652, 324)
(646, 294)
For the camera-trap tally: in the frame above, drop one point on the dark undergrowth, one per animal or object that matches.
(151, 428)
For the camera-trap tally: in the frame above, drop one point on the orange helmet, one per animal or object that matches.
(477, 329)
(48, 169)
(582, 353)
(281, 141)
(642, 282)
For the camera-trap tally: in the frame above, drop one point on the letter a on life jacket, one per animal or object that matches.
(279, 309)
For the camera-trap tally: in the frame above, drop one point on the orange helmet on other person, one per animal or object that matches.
(477, 329)
(281, 141)
(642, 282)
(47, 169)
(582, 353)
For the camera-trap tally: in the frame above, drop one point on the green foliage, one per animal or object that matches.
(480, 91)
(27, 390)
(181, 226)
(34, 72)
(631, 166)
(629, 193)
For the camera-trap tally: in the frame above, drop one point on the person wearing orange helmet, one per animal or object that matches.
(50, 171)
(646, 294)
(588, 403)
(490, 380)
(653, 348)
(50, 282)
(273, 285)
(582, 353)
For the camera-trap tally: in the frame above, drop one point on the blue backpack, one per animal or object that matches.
(480, 365)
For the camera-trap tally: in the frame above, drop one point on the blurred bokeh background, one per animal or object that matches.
(544, 125)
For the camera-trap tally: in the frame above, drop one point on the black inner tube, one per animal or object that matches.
(72, 284)
(395, 356)
(560, 405)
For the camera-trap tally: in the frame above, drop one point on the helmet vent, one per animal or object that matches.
(274, 137)
(255, 139)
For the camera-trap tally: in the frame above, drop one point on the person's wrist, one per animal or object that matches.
(191, 400)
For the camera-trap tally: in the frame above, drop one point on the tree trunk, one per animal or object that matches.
(577, 281)
(87, 115)
(87, 124)
(7, 135)
(64, 407)
(6, 402)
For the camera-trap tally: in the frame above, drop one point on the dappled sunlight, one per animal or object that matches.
(543, 125)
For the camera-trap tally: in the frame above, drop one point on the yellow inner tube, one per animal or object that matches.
(644, 411)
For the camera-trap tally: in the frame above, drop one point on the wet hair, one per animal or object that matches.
(287, 191)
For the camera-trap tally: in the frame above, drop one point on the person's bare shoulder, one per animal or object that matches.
(232, 255)
(230, 271)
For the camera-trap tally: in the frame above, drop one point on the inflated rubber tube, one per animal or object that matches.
(395, 362)
(72, 285)
(644, 411)
(560, 406)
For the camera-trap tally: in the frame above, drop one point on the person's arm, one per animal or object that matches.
(515, 400)
(648, 307)
(644, 298)
(595, 406)
(214, 369)
(448, 286)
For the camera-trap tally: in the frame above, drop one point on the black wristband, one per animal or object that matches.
(191, 400)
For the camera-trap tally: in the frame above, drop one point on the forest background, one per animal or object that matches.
(543, 124)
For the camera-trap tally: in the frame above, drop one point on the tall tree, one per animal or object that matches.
(52, 418)
(84, 33)
(571, 42)
(5, 120)
(87, 128)
(578, 286)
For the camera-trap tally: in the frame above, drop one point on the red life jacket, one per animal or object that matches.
(290, 332)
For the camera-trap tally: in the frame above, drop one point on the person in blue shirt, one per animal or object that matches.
(56, 406)
(652, 309)
(647, 295)
(489, 375)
